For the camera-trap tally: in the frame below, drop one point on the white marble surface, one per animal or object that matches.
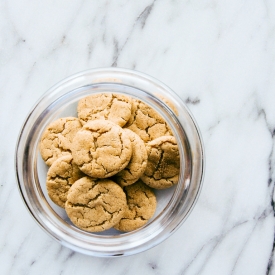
(219, 56)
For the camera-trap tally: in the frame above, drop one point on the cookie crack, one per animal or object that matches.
(105, 169)
(108, 107)
(94, 199)
(129, 170)
(86, 206)
(46, 159)
(121, 99)
(167, 179)
(54, 131)
(61, 178)
(73, 205)
(137, 215)
(64, 128)
(97, 224)
(159, 163)
(101, 224)
(122, 145)
(144, 192)
(108, 211)
(157, 120)
(133, 115)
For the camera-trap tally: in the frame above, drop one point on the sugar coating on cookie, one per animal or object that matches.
(57, 139)
(146, 122)
(101, 149)
(95, 205)
(60, 177)
(137, 164)
(163, 164)
(110, 106)
(141, 206)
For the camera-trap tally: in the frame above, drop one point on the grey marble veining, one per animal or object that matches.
(219, 56)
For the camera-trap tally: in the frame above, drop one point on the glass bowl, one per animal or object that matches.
(174, 204)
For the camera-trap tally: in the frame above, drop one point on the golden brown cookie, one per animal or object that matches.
(146, 122)
(137, 165)
(141, 202)
(61, 175)
(111, 106)
(163, 164)
(95, 205)
(101, 149)
(57, 138)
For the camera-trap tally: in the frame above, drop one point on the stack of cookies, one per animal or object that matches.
(105, 163)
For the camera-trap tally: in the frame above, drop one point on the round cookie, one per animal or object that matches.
(141, 202)
(95, 205)
(138, 162)
(146, 122)
(101, 149)
(57, 138)
(163, 164)
(111, 106)
(61, 175)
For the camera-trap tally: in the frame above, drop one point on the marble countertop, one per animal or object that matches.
(219, 56)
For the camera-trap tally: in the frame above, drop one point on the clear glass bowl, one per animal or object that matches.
(174, 204)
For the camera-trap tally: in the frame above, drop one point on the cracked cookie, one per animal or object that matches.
(101, 149)
(95, 205)
(141, 206)
(60, 177)
(146, 122)
(110, 106)
(57, 138)
(137, 165)
(163, 164)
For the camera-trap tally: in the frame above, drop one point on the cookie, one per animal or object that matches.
(57, 138)
(138, 162)
(146, 122)
(95, 205)
(101, 149)
(141, 206)
(110, 106)
(61, 175)
(163, 164)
